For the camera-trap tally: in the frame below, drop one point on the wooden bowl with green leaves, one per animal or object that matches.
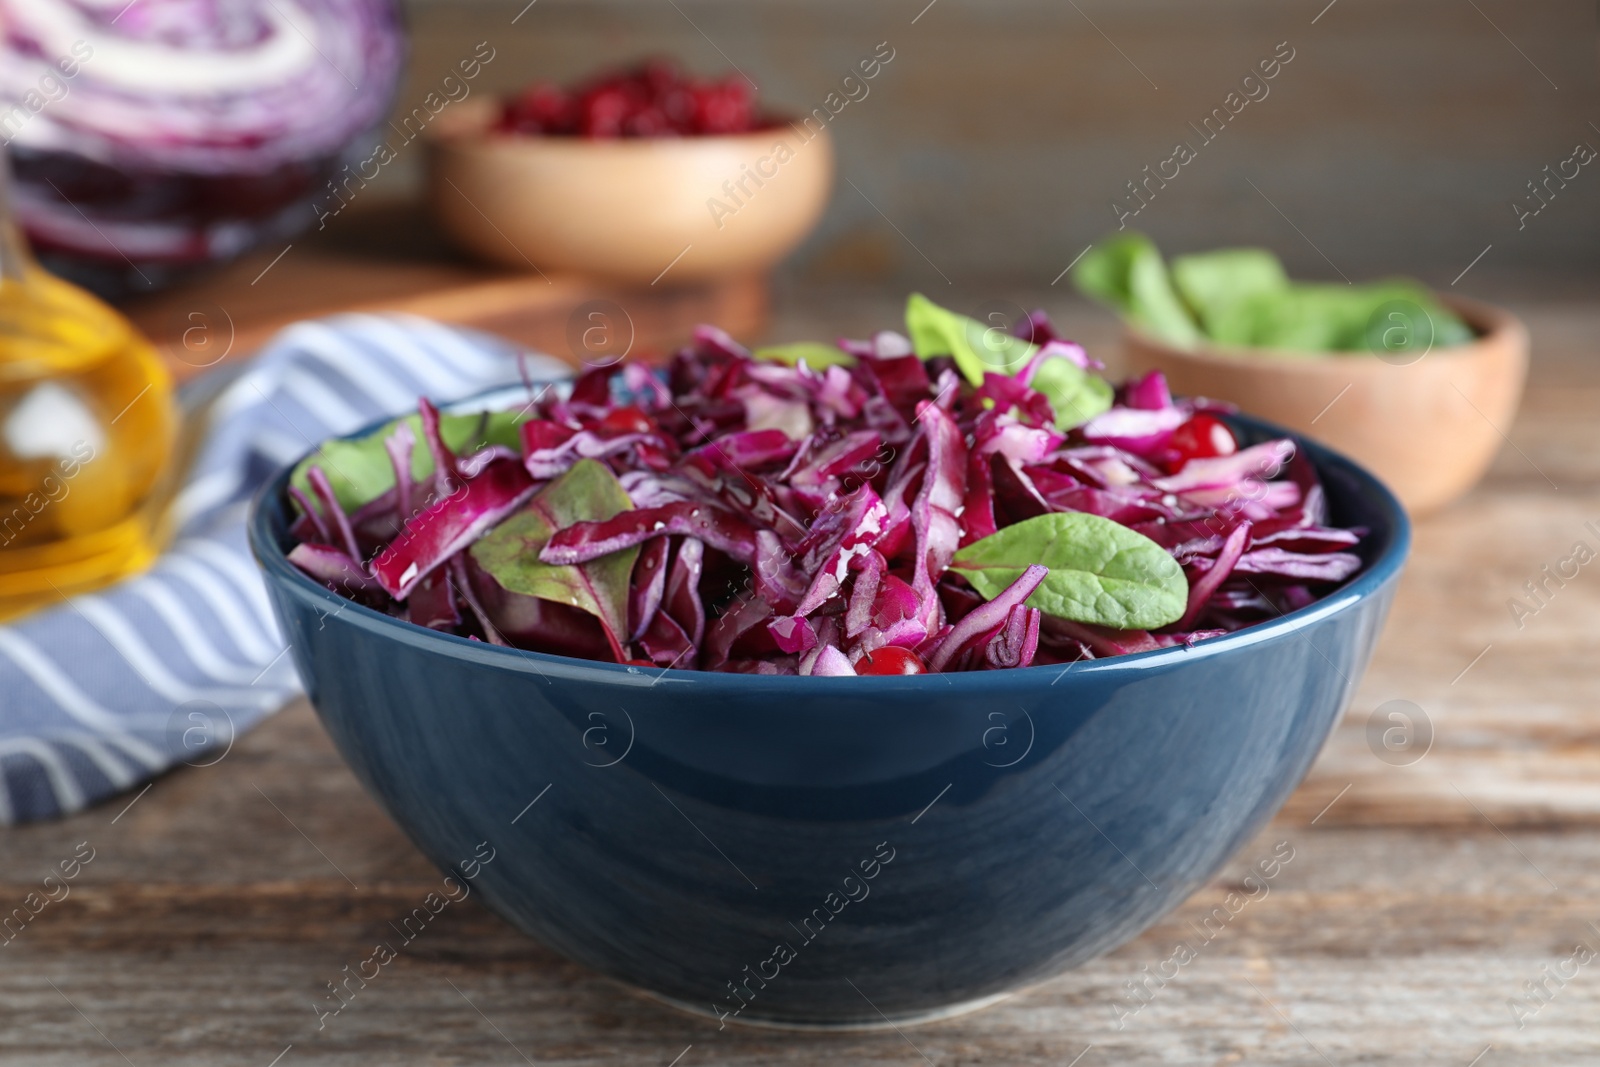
(1418, 387)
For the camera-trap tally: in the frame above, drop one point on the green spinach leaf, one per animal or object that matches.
(977, 348)
(1210, 282)
(1128, 273)
(1242, 297)
(1101, 572)
(509, 553)
(1076, 395)
(817, 354)
(359, 468)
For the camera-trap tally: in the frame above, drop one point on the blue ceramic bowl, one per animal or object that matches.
(836, 851)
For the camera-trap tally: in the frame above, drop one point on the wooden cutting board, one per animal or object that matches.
(389, 258)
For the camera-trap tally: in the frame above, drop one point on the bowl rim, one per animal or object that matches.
(1497, 328)
(268, 504)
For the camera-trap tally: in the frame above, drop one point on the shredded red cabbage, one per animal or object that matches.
(792, 520)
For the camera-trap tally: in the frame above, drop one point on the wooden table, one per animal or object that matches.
(1420, 901)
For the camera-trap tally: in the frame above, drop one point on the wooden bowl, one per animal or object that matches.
(640, 211)
(1428, 428)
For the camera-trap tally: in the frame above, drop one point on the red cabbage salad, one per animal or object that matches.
(953, 498)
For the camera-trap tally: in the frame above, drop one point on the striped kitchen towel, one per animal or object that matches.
(112, 688)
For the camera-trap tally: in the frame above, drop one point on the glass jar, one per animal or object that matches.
(87, 431)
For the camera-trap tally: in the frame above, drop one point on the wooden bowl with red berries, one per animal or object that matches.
(646, 176)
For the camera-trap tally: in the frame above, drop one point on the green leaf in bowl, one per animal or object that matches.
(1075, 394)
(1409, 319)
(1101, 572)
(978, 349)
(1303, 318)
(1380, 318)
(1212, 281)
(1128, 273)
(816, 354)
(1242, 298)
(360, 471)
(509, 553)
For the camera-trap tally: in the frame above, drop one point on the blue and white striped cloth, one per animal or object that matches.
(111, 689)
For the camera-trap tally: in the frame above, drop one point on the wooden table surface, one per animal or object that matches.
(1425, 894)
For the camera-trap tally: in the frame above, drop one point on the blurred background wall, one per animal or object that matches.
(996, 142)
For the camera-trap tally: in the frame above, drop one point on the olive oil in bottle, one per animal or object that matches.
(87, 431)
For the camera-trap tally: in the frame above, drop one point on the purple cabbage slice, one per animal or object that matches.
(450, 526)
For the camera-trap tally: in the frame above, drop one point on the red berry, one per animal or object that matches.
(890, 659)
(654, 99)
(723, 108)
(514, 118)
(604, 109)
(660, 75)
(677, 104)
(550, 105)
(1202, 437)
(542, 108)
(647, 122)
